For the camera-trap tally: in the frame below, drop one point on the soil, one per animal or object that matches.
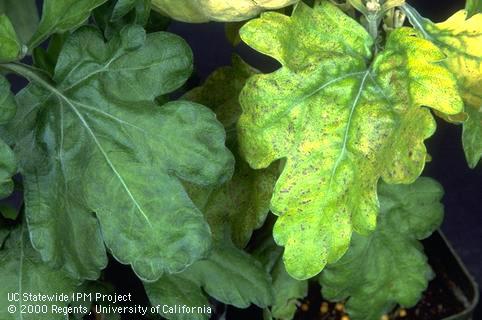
(438, 302)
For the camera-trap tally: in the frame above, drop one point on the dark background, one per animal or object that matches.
(463, 186)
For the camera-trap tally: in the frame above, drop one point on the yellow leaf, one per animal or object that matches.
(342, 119)
(216, 10)
(460, 39)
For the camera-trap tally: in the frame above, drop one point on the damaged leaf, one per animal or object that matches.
(342, 118)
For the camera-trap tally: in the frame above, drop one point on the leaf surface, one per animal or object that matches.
(242, 204)
(102, 145)
(23, 15)
(24, 272)
(10, 47)
(112, 16)
(59, 16)
(229, 275)
(92, 288)
(460, 39)
(7, 158)
(287, 290)
(216, 10)
(341, 122)
(473, 7)
(388, 267)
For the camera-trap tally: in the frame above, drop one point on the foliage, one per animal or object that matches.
(328, 185)
(388, 266)
(216, 10)
(459, 38)
(112, 167)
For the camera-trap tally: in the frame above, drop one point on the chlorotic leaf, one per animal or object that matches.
(229, 275)
(102, 145)
(59, 16)
(242, 203)
(388, 267)
(23, 272)
(7, 158)
(10, 47)
(340, 121)
(460, 38)
(216, 10)
(287, 291)
(23, 15)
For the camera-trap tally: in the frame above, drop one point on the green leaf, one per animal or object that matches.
(229, 275)
(112, 16)
(10, 47)
(59, 16)
(4, 231)
(459, 38)
(472, 136)
(287, 290)
(95, 141)
(24, 272)
(473, 7)
(7, 169)
(174, 290)
(23, 15)
(242, 204)
(7, 158)
(340, 121)
(9, 211)
(47, 59)
(8, 106)
(388, 267)
(215, 10)
(141, 7)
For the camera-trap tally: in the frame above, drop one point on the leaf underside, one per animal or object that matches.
(341, 122)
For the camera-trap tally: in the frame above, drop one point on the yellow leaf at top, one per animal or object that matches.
(216, 10)
(460, 39)
(342, 118)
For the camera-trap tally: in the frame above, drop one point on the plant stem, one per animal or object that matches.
(30, 73)
(373, 23)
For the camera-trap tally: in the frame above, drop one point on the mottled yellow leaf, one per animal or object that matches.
(342, 119)
(461, 41)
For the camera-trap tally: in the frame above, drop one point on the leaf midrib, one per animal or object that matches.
(347, 128)
(36, 78)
